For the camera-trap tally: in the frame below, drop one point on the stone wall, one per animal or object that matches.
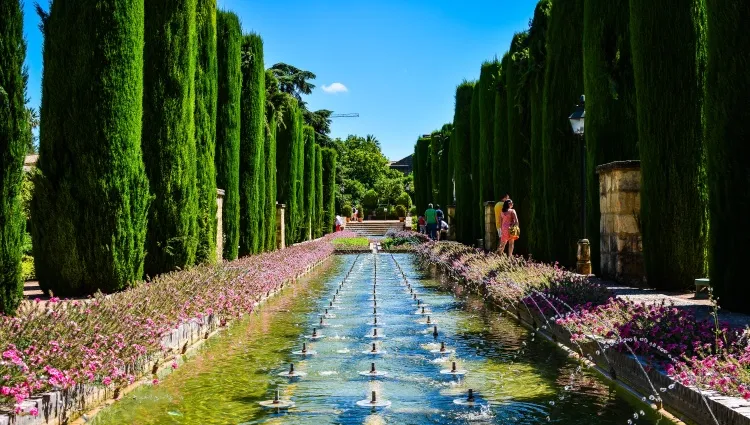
(219, 224)
(621, 246)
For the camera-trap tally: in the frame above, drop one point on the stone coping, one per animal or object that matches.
(70, 405)
(630, 373)
(632, 164)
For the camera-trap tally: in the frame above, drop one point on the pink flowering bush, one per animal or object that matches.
(703, 353)
(58, 344)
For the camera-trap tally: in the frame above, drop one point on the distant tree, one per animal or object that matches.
(293, 80)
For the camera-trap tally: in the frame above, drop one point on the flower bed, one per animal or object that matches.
(402, 240)
(702, 353)
(60, 344)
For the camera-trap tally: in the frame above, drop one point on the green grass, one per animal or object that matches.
(351, 243)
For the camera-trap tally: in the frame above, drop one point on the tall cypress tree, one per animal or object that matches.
(309, 182)
(329, 189)
(91, 196)
(424, 185)
(301, 232)
(270, 199)
(14, 133)
(611, 131)
(728, 147)
(262, 191)
(563, 85)
(206, 87)
(462, 163)
(537, 41)
(501, 173)
(436, 146)
(318, 192)
(168, 137)
(669, 76)
(287, 152)
(519, 132)
(487, 93)
(476, 177)
(252, 139)
(446, 177)
(229, 44)
(417, 183)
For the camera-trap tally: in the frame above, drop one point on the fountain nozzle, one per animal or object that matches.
(442, 346)
(291, 368)
(422, 310)
(304, 348)
(321, 321)
(372, 368)
(374, 398)
(428, 320)
(374, 349)
(434, 331)
(374, 311)
(315, 333)
(375, 332)
(276, 397)
(470, 399)
(376, 321)
(453, 368)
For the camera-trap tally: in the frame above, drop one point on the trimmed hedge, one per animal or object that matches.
(668, 68)
(168, 138)
(288, 137)
(14, 134)
(537, 42)
(229, 43)
(328, 156)
(445, 197)
(318, 227)
(462, 163)
(563, 86)
(90, 204)
(269, 223)
(519, 133)
(728, 147)
(611, 130)
(500, 172)
(488, 79)
(477, 211)
(206, 81)
(252, 139)
(309, 183)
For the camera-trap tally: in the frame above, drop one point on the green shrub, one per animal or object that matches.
(404, 199)
(519, 130)
(668, 68)
(229, 59)
(400, 211)
(168, 137)
(535, 229)
(611, 131)
(370, 199)
(346, 210)
(206, 86)
(462, 162)
(252, 141)
(728, 147)
(563, 86)
(14, 133)
(91, 194)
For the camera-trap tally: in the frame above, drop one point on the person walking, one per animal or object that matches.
(439, 214)
(338, 223)
(422, 225)
(430, 216)
(508, 230)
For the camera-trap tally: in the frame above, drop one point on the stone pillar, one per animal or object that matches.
(451, 215)
(280, 243)
(219, 224)
(620, 236)
(490, 228)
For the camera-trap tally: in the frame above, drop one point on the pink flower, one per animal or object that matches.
(34, 411)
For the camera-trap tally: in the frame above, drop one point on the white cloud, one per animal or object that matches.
(335, 88)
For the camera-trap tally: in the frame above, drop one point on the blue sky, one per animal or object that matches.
(400, 61)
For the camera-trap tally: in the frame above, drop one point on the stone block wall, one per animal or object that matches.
(621, 246)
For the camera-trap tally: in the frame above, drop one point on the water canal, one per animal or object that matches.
(517, 378)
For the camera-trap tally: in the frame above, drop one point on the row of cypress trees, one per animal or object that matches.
(669, 96)
(147, 108)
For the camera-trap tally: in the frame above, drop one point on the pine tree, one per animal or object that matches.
(168, 137)
(462, 163)
(14, 133)
(309, 182)
(487, 93)
(611, 131)
(519, 133)
(563, 86)
(229, 44)
(318, 191)
(728, 147)
(287, 152)
(669, 78)
(91, 195)
(535, 229)
(329, 189)
(252, 139)
(206, 87)
(270, 199)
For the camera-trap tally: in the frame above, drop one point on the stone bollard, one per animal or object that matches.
(584, 257)
(219, 224)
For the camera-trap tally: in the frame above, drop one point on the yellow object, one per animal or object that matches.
(499, 215)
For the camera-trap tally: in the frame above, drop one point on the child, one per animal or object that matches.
(422, 225)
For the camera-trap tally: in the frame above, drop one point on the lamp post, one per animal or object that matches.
(577, 125)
